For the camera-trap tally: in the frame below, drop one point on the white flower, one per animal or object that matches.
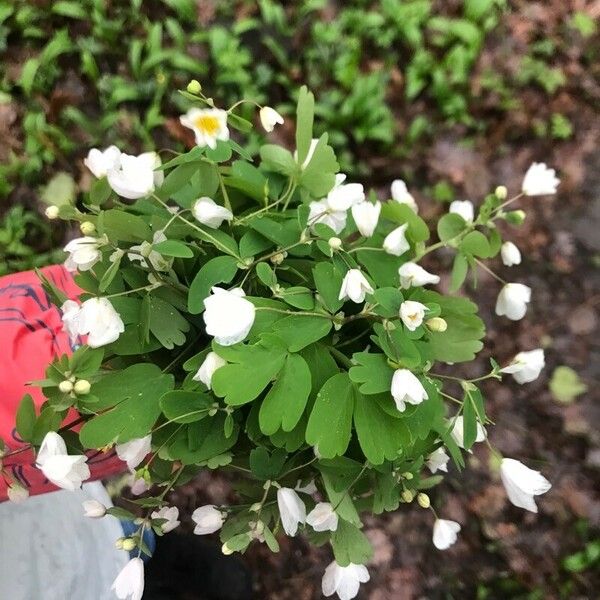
(310, 488)
(539, 180)
(411, 274)
(70, 318)
(458, 431)
(208, 519)
(129, 583)
(355, 286)
(60, 468)
(228, 316)
(445, 533)
(365, 216)
(84, 253)
(95, 318)
(139, 486)
(412, 314)
(269, 117)
(522, 483)
(401, 194)
(322, 517)
(438, 461)
(17, 493)
(526, 366)
(464, 209)
(344, 195)
(291, 509)
(345, 581)
(171, 514)
(510, 254)
(99, 162)
(207, 369)
(395, 242)
(146, 254)
(209, 213)
(208, 125)
(94, 509)
(512, 301)
(134, 177)
(320, 212)
(407, 388)
(134, 451)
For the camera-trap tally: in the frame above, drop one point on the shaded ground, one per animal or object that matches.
(502, 552)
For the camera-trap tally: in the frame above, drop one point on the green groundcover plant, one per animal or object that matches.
(270, 320)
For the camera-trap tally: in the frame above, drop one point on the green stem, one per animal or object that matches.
(341, 357)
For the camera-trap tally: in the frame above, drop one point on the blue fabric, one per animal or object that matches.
(129, 529)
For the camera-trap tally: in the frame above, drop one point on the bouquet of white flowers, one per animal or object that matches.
(269, 319)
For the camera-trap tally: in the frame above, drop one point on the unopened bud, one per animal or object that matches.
(278, 258)
(65, 386)
(335, 243)
(408, 475)
(82, 387)
(226, 550)
(423, 500)
(128, 544)
(408, 496)
(119, 543)
(437, 324)
(515, 217)
(194, 87)
(87, 228)
(52, 212)
(501, 192)
(255, 507)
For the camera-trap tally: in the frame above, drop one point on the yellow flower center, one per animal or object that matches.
(208, 124)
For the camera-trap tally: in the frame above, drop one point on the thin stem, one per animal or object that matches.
(341, 357)
(351, 486)
(293, 312)
(486, 268)
(145, 288)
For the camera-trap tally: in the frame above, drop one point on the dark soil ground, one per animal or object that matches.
(502, 552)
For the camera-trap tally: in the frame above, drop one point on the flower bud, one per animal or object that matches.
(335, 243)
(52, 212)
(82, 387)
(437, 324)
(408, 496)
(119, 543)
(65, 386)
(255, 507)
(128, 544)
(501, 192)
(278, 258)
(408, 475)
(87, 228)
(226, 550)
(423, 500)
(194, 87)
(515, 217)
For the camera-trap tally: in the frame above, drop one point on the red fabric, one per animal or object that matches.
(32, 336)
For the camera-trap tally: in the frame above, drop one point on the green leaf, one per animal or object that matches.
(328, 280)
(380, 436)
(372, 372)
(100, 191)
(401, 213)
(123, 226)
(111, 272)
(298, 297)
(350, 545)
(304, 122)
(173, 248)
(177, 179)
(221, 269)
(475, 243)
(330, 423)
(86, 361)
(277, 159)
(318, 177)
(26, 418)
(185, 407)
(254, 365)
(301, 331)
(565, 385)
(167, 324)
(284, 404)
(60, 190)
(132, 398)
(338, 474)
(449, 226)
(265, 465)
(460, 267)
